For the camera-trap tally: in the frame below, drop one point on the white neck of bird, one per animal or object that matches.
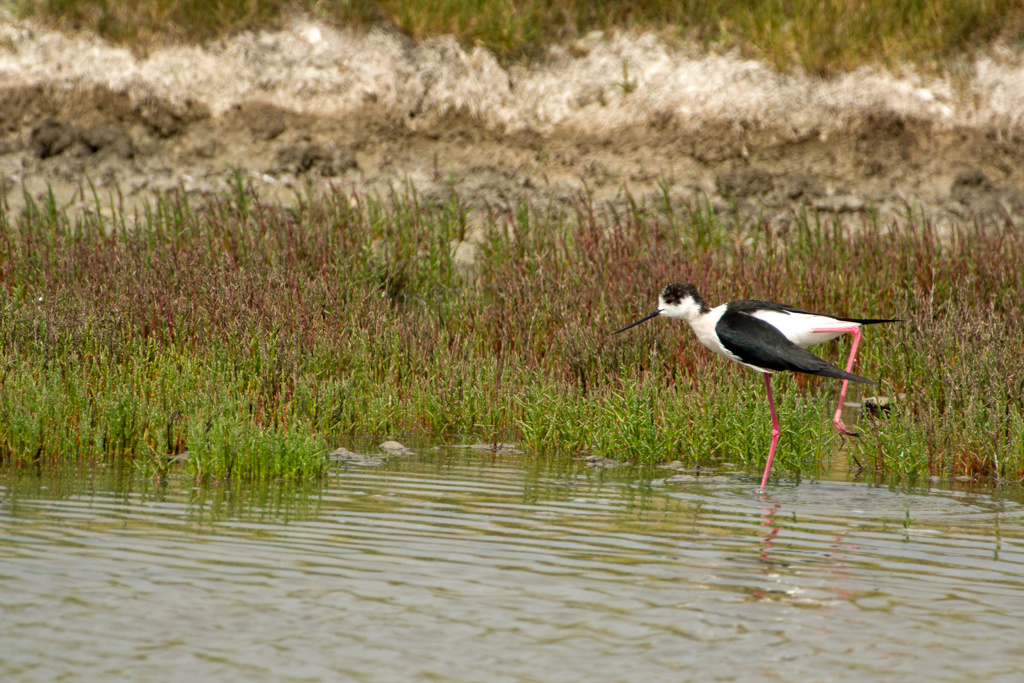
(687, 309)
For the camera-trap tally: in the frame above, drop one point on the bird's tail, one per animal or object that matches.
(872, 321)
(797, 359)
(828, 370)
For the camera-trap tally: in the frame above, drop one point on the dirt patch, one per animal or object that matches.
(496, 136)
(872, 165)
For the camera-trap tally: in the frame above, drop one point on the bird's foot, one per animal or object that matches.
(842, 428)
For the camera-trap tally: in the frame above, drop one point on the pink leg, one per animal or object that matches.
(837, 419)
(776, 432)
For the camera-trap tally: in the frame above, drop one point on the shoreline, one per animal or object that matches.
(375, 112)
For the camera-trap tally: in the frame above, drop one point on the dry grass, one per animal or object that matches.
(822, 37)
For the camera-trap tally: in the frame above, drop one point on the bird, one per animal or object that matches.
(767, 337)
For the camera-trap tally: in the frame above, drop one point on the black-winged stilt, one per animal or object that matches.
(766, 337)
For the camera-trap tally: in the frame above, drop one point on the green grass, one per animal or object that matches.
(251, 336)
(822, 37)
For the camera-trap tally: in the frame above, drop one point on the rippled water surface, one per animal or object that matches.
(462, 566)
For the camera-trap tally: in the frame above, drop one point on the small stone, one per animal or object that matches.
(674, 465)
(973, 189)
(972, 178)
(159, 119)
(338, 161)
(395, 448)
(877, 405)
(508, 448)
(51, 137)
(298, 158)
(265, 129)
(112, 138)
(349, 458)
(167, 120)
(803, 185)
(601, 463)
(745, 182)
(305, 156)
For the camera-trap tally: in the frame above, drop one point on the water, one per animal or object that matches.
(461, 566)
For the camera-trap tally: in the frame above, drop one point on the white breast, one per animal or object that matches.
(805, 329)
(704, 328)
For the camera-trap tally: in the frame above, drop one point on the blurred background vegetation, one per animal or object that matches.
(821, 36)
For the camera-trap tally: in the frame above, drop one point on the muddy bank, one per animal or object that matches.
(375, 112)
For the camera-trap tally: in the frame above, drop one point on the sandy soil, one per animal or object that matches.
(373, 112)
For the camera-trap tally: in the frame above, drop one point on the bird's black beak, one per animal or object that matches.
(652, 314)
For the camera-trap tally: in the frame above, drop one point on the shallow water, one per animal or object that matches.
(462, 566)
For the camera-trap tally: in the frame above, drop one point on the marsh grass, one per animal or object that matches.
(246, 338)
(822, 37)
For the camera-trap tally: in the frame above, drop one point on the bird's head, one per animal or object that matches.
(676, 300)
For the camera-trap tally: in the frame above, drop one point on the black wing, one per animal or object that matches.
(751, 306)
(757, 343)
